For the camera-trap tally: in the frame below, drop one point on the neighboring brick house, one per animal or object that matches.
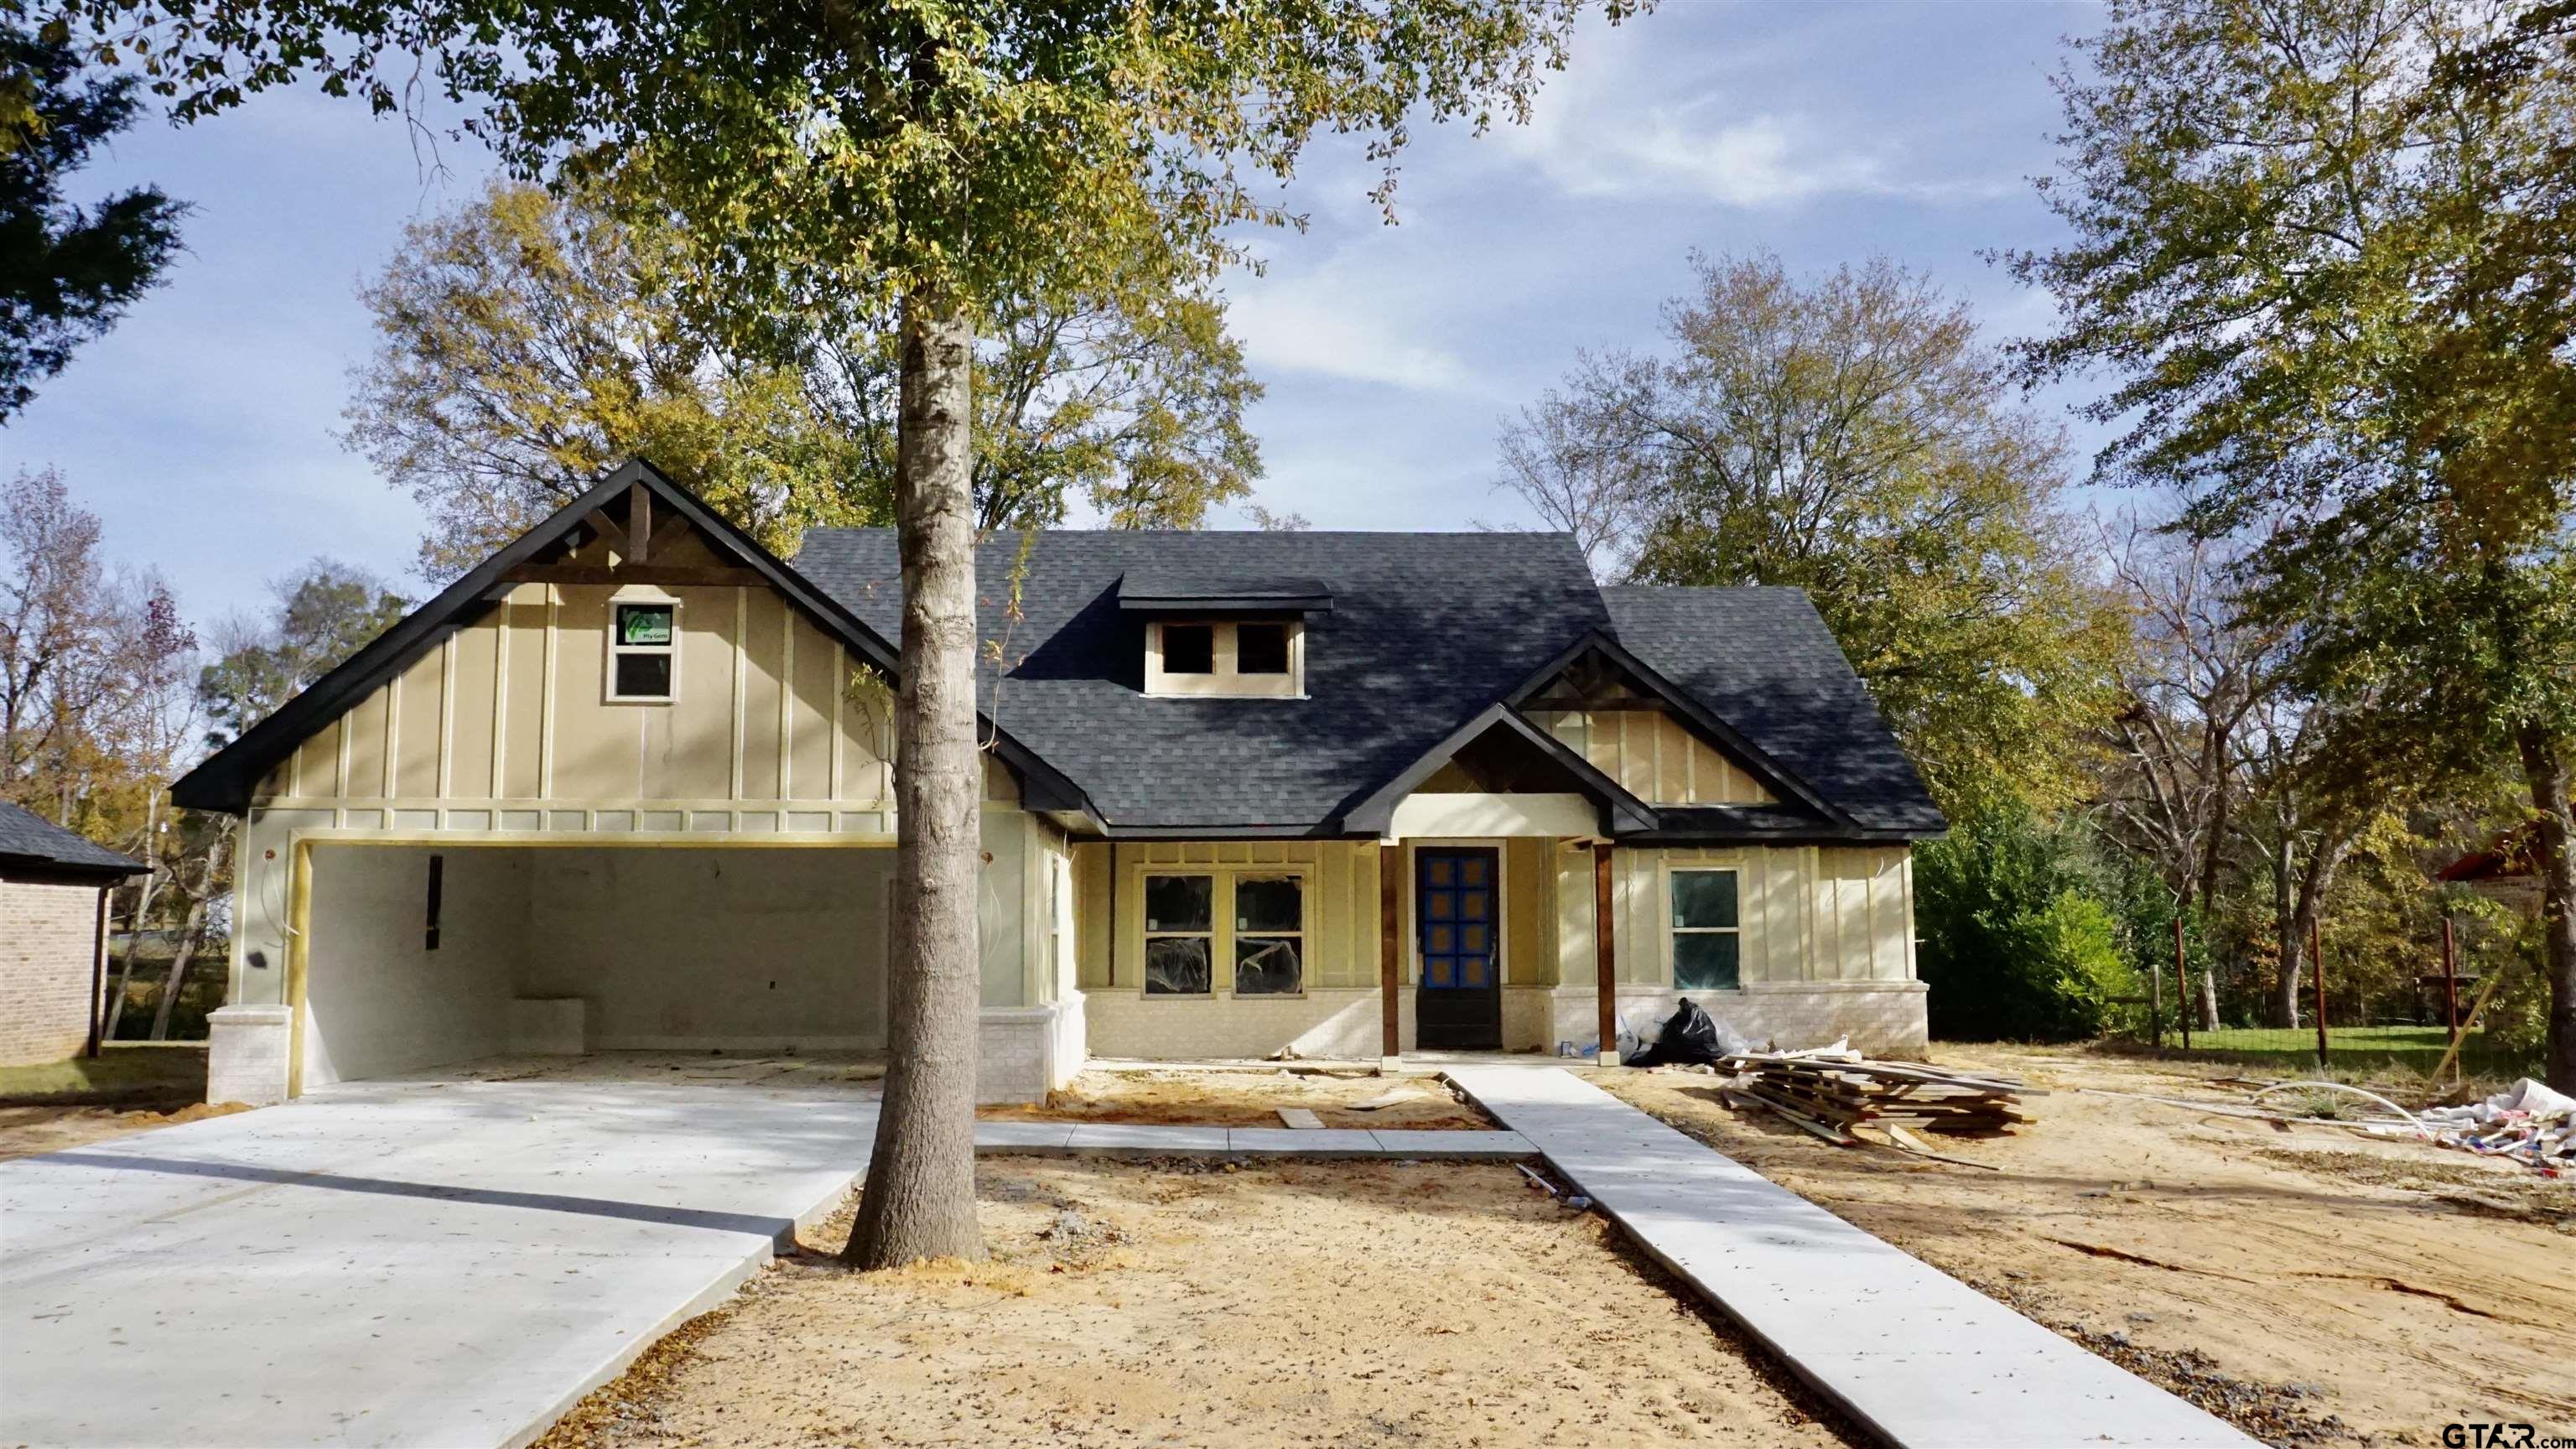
(53, 915)
(627, 785)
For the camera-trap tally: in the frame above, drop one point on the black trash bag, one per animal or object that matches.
(1689, 1039)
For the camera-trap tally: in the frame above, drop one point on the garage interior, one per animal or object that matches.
(425, 956)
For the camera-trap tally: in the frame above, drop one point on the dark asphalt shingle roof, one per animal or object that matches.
(27, 839)
(1425, 631)
(1762, 660)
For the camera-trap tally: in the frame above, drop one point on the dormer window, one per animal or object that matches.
(1189, 649)
(1262, 658)
(1260, 648)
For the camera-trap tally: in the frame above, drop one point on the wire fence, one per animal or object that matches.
(2427, 1022)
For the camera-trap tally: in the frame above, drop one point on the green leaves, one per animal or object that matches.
(67, 271)
(853, 153)
(528, 343)
(1849, 434)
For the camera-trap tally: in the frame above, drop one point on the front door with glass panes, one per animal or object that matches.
(1458, 922)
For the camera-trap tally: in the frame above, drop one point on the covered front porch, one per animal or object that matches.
(1410, 952)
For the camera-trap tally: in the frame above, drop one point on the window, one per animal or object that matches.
(1260, 648)
(1180, 934)
(643, 652)
(1269, 935)
(1257, 659)
(1189, 649)
(1708, 940)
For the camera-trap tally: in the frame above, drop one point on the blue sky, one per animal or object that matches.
(202, 429)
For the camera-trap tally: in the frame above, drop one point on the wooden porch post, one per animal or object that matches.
(1605, 959)
(1390, 952)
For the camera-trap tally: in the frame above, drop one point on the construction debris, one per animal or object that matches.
(1831, 1091)
(2526, 1122)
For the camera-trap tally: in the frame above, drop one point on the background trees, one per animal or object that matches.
(2326, 252)
(67, 271)
(1849, 433)
(530, 341)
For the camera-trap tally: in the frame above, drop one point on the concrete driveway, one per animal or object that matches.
(439, 1261)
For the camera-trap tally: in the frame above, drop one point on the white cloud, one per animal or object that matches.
(1311, 325)
(1688, 113)
(1763, 161)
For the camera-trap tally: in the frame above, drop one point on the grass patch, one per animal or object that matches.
(173, 1072)
(2361, 1051)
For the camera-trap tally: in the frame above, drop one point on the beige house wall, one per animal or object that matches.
(1828, 945)
(1653, 757)
(1811, 913)
(499, 746)
(510, 712)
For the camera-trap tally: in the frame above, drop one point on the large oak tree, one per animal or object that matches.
(929, 157)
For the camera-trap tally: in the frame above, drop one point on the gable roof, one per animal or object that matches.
(30, 841)
(1426, 631)
(1418, 646)
(1762, 660)
(1622, 809)
(1426, 635)
(226, 780)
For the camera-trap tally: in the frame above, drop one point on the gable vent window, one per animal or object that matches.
(1259, 658)
(643, 653)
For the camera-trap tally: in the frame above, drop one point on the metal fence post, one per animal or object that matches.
(2450, 986)
(2317, 965)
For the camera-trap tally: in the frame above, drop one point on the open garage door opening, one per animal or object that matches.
(425, 956)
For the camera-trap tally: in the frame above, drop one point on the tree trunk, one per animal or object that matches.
(2553, 778)
(186, 953)
(141, 918)
(133, 943)
(919, 1201)
(2296, 932)
(2208, 998)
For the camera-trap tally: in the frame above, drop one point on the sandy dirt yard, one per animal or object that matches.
(1352, 1304)
(1246, 1099)
(2315, 1285)
(27, 1131)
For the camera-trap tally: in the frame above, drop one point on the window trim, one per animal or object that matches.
(1218, 901)
(1234, 913)
(1674, 931)
(1221, 920)
(627, 598)
(1222, 678)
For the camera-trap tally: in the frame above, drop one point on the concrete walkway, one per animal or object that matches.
(1119, 1139)
(438, 1262)
(1919, 1358)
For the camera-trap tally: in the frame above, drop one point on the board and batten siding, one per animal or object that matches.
(1341, 904)
(1810, 914)
(512, 708)
(1653, 757)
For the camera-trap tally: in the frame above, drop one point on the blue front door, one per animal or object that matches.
(1458, 928)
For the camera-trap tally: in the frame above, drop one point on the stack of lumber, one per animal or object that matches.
(1831, 1092)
